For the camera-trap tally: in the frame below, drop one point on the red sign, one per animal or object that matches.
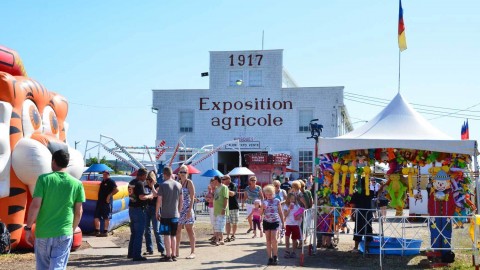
(263, 158)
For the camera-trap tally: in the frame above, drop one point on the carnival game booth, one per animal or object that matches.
(402, 138)
(119, 208)
(268, 167)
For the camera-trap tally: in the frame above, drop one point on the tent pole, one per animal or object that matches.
(475, 174)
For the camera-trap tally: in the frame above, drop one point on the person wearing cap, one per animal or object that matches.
(56, 208)
(137, 205)
(103, 209)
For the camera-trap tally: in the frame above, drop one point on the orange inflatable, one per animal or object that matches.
(11, 63)
(32, 125)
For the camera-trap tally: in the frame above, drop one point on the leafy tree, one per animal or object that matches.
(94, 160)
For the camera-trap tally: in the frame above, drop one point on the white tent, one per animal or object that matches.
(397, 126)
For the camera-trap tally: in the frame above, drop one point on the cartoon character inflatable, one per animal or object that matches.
(441, 203)
(32, 127)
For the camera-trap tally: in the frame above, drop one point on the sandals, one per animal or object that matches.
(226, 240)
(232, 238)
(191, 256)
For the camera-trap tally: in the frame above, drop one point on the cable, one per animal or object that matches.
(416, 104)
(434, 112)
(110, 107)
(419, 110)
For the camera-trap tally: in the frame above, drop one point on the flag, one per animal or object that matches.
(465, 134)
(402, 40)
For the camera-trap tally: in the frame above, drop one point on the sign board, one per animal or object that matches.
(244, 145)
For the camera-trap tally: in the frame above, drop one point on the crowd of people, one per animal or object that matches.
(274, 211)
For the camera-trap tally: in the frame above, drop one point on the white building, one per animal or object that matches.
(253, 99)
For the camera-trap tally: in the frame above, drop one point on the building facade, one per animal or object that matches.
(252, 99)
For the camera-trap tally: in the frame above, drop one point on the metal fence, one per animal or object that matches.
(400, 235)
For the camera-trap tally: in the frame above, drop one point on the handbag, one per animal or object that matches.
(299, 213)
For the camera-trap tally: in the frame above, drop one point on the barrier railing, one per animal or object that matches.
(393, 234)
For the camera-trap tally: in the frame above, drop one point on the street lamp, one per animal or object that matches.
(239, 82)
(315, 131)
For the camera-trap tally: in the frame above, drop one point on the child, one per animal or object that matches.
(209, 199)
(272, 215)
(324, 227)
(292, 225)
(256, 215)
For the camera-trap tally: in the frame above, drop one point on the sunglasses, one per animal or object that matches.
(182, 172)
(253, 180)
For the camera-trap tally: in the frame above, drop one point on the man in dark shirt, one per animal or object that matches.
(286, 185)
(103, 210)
(363, 214)
(232, 218)
(138, 197)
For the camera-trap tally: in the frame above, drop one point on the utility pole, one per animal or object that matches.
(76, 142)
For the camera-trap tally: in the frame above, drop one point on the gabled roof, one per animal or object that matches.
(398, 125)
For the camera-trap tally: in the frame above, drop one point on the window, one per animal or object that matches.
(186, 121)
(304, 117)
(255, 78)
(305, 164)
(183, 157)
(235, 76)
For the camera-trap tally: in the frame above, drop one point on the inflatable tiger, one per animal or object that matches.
(32, 127)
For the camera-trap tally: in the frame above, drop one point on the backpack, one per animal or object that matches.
(4, 239)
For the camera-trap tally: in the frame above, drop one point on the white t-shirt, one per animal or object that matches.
(290, 219)
(375, 187)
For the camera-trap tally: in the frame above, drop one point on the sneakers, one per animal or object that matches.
(99, 234)
(270, 261)
(275, 260)
(249, 230)
(166, 259)
(148, 253)
(287, 254)
(139, 259)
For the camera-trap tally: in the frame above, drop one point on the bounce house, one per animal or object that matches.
(119, 206)
(32, 127)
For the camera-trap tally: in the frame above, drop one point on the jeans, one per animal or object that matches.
(52, 253)
(137, 228)
(151, 221)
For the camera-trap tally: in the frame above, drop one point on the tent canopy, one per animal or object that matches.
(398, 125)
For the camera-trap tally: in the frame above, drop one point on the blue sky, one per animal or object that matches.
(105, 57)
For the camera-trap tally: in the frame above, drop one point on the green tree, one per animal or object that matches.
(94, 160)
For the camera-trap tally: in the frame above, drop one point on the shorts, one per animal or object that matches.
(212, 216)
(220, 222)
(270, 226)
(232, 217)
(103, 211)
(293, 230)
(382, 203)
(249, 208)
(168, 226)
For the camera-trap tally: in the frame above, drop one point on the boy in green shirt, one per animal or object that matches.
(220, 210)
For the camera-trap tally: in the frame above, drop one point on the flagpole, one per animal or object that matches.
(399, 63)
